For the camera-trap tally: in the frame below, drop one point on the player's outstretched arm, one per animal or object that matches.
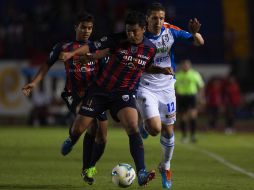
(83, 50)
(160, 70)
(38, 77)
(194, 27)
(98, 55)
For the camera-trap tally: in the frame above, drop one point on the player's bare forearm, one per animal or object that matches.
(98, 55)
(38, 77)
(82, 51)
(198, 39)
(160, 70)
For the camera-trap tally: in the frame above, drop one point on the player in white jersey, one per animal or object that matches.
(156, 95)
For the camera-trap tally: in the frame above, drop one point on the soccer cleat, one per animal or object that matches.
(66, 147)
(144, 134)
(144, 177)
(88, 174)
(165, 177)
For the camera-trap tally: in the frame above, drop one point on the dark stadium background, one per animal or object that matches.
(30, 28)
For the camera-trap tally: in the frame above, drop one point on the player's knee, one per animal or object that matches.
(131, 127)
(155, 131)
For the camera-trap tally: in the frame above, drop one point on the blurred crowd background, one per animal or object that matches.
(30, 28)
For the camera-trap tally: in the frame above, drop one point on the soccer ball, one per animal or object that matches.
(123, 175)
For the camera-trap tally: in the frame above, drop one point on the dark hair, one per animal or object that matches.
(135, 17)
(84, 17)
(156, 6)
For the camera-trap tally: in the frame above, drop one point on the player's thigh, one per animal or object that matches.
(128, 117)
(147, 104)
(167, 107)
(81, 123)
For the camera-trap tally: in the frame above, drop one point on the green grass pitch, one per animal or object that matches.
(30, 159)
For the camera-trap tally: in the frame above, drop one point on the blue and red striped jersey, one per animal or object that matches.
(78, 76)
(126, 62)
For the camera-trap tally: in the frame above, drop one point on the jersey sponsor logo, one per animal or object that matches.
(87, 108)
(104, 38)
(130, 65)
(134, 59)
(84, 69)
(89, 102)
(143, 57)
(161, 59)
(163, 49)
(125, 97)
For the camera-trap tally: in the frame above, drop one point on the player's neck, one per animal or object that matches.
(154, 31)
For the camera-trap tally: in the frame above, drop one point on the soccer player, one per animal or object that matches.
(156, 95)
(78, 78)
(130, 53)
(190, 91)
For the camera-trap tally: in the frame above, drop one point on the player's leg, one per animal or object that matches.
(96, 151)
(193, 113)
(167, 141)
(168, 116)
(147, 102)
(129, 119)
(80, 124)
(183, 117)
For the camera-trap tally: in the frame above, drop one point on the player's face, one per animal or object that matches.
(155, 21)
(135, 33)
(84, 31)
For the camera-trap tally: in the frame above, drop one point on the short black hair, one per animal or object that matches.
(156, 6)
(84, 17)
(135, 17)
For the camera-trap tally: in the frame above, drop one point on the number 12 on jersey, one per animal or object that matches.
(171, 107)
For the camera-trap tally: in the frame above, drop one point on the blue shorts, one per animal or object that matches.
(72, 100)
(97, 100)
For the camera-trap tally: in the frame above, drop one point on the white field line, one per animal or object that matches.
(222, 161)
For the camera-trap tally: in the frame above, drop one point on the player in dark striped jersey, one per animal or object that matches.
(130, 53)
(78, 78)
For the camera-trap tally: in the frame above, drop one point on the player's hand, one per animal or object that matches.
(194, 26)
(64, 56)
(28, 88)
(168, 71)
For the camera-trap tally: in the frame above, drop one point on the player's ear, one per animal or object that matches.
(146, 18)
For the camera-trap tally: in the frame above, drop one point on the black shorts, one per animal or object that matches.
(97, 100)
(72, 100)
(185, 103)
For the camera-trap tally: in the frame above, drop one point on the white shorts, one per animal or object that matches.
(157, 103)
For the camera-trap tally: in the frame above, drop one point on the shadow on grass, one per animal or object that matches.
(37, 187)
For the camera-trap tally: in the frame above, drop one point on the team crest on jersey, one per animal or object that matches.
(125, 98)
(97, 45)
(134, 49)
(165, 38)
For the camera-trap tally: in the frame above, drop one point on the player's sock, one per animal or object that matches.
(137, 151)
(193, 124)
(97, 152)
(167, 144)
(87, 149)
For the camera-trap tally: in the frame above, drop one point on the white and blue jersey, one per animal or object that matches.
(156, 93)
(164, 56)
